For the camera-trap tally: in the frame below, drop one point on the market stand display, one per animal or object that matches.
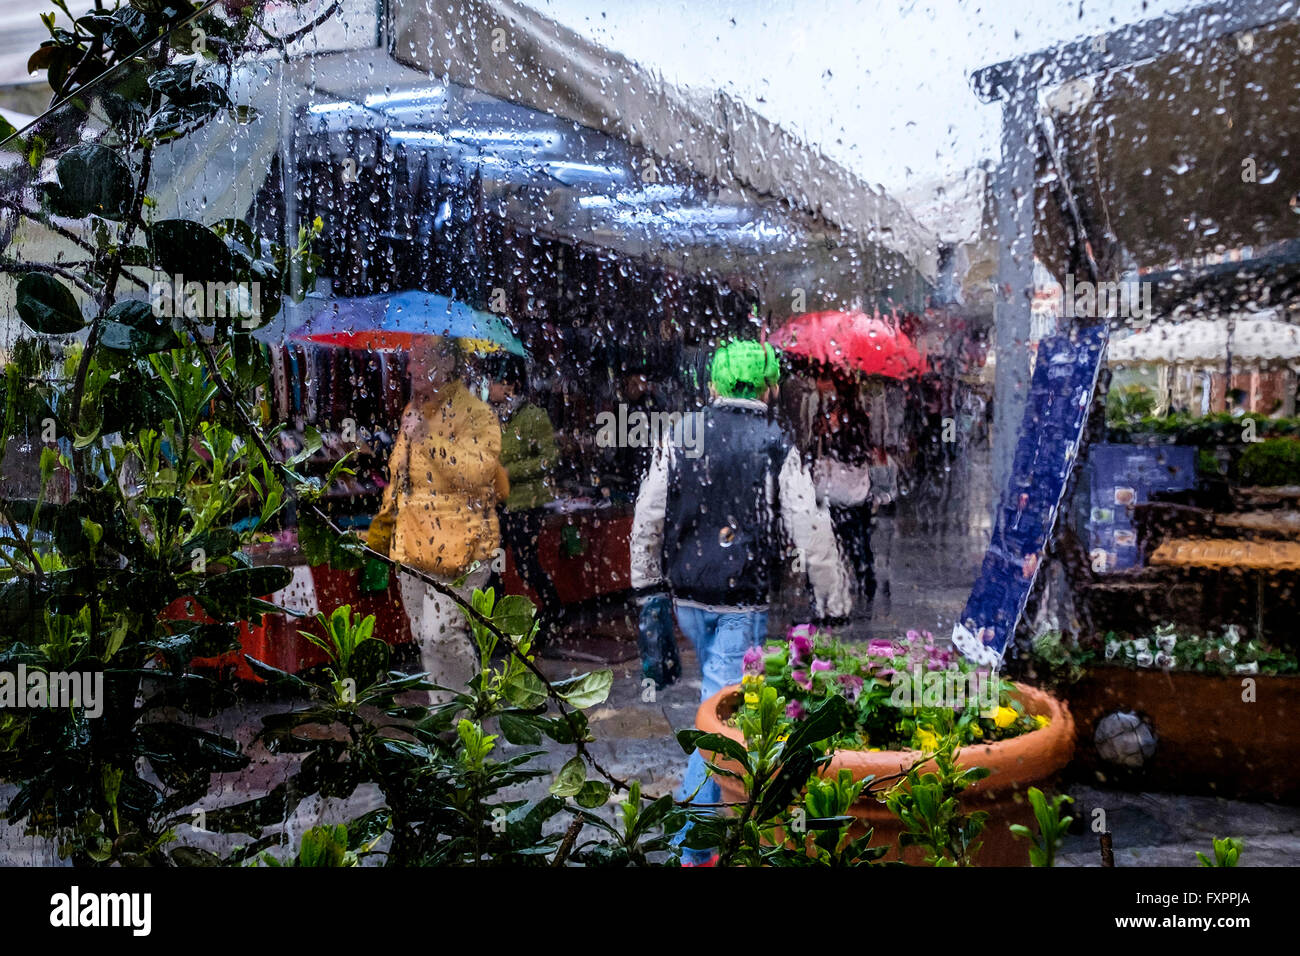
(1088, 129)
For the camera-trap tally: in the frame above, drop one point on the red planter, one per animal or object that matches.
(278, 642)
(1030, 760)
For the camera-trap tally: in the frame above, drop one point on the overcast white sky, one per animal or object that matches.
(882, 87)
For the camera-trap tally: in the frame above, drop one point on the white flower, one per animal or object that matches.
(1112, 649)
(1164, 660)
(1251, 668)
(1166, 643)
(1230, 635)
(1145, 659)
(1140, 643)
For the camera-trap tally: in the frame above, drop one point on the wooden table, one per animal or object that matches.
(1280, 522)
(1228, 553)
(1261, 557)
(1273, 522)
(1271, 494)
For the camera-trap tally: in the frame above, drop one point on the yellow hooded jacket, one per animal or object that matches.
(439, 509)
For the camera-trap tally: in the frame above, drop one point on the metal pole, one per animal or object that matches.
(1227, 384)
(1013, 198)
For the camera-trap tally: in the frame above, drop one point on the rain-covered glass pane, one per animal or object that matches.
(419, 418)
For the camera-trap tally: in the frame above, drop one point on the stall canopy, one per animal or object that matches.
(1211, 343)
(1184, 168)
(504, 48)
(564, 140)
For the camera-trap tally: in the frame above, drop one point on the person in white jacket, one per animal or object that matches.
(711, 526)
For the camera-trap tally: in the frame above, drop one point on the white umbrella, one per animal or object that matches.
(1210, 342)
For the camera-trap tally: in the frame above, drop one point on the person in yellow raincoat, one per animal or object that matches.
(439, 512)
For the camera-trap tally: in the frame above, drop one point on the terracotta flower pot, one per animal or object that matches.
(1030, 760)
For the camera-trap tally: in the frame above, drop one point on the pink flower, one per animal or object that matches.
(753, 661)
(879, 648)
(801, 646)
(820, 665)
(794, 710)
(852, 686)
(802, 679)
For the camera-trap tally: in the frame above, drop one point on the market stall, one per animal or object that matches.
(1142, 148)
(616, 253)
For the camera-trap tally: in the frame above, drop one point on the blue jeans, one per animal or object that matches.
(720, 641)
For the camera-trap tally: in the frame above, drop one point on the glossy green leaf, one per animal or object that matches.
(186, 248)
(131, 326)
(569, 781)
(47, 305)
(594, 793)
(92, 179)
(586, 690)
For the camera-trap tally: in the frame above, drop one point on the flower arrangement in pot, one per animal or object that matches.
(911, 697)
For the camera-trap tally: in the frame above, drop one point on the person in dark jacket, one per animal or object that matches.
(529, 455)
(709, 525)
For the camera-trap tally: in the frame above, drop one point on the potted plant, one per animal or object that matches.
(909, 696)
(1218, 708)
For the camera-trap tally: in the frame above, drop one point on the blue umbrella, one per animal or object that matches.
(397, 320)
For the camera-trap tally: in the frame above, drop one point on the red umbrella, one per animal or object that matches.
(853, 340)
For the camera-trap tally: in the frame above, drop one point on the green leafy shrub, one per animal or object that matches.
(1129, 404)
(1226, 852)
(928, 806)
(1274, 461)
(1183, 428)
(1052, 827)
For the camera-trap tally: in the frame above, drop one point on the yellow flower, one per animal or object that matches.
(927, 739)
(751, 700)
(1004, 717)
(1041, 721)
(782, 738)
(976, 730)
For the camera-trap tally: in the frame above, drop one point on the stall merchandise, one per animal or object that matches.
(324, 385)
(1123, 477)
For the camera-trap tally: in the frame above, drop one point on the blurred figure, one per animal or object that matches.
(842, 474)
(708, 531)
(439, 508)
(529, 454)
(884, 509)
(641, 393)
